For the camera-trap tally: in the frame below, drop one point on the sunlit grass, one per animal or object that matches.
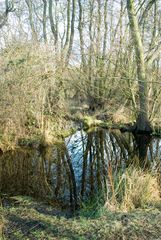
(134, 188)
(25, 221)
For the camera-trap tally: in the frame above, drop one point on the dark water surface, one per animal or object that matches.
(78, 167)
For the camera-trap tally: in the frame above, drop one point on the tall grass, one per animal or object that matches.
(133, 189)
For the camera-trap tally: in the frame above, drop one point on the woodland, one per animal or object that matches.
(89, 69)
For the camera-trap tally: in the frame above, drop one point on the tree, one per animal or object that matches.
(44, 19)
(142, 124)
(9, 7)
(53, 26)
(92, 43)
(72, 31)
(80, 28)
(31, 19)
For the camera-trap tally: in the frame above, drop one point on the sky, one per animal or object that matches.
(2, 5)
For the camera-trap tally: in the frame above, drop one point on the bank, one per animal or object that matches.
(25, 218)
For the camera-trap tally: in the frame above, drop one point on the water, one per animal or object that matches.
(78, 167)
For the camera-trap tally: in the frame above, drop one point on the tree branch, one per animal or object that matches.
(9, 8)
(154, 53)
(147, 8)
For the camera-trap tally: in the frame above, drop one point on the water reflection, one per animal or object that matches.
(76, 168)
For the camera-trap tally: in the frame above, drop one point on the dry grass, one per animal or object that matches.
(134, 189)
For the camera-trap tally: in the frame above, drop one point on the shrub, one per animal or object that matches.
(31, 91)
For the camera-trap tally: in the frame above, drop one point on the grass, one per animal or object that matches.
(27, 219)
(131, 212)
(133, 189)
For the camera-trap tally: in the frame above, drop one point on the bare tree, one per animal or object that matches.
(68, 26)
(9, 7)
(142, 124)
(52, 22)
(44, 19)
(31, 20)
(80, 28)
(72, 31)
(106, 30)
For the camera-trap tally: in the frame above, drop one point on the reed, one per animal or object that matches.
(135, 188)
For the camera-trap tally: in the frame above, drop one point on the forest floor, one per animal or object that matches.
(25, 218)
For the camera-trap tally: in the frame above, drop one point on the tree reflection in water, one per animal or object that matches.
(78, 167)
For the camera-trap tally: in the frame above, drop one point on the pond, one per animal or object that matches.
(78, 167)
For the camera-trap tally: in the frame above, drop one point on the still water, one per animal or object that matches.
(78, 167)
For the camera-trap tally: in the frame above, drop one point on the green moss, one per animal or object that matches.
(89, 121)
(66, 133)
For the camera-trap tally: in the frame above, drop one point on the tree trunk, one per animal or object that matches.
(72, 31)
(31, 20)
(142, 123)
(44, 20)
(80, 28)
(52, 24)
(68, 27)
(105, 31)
